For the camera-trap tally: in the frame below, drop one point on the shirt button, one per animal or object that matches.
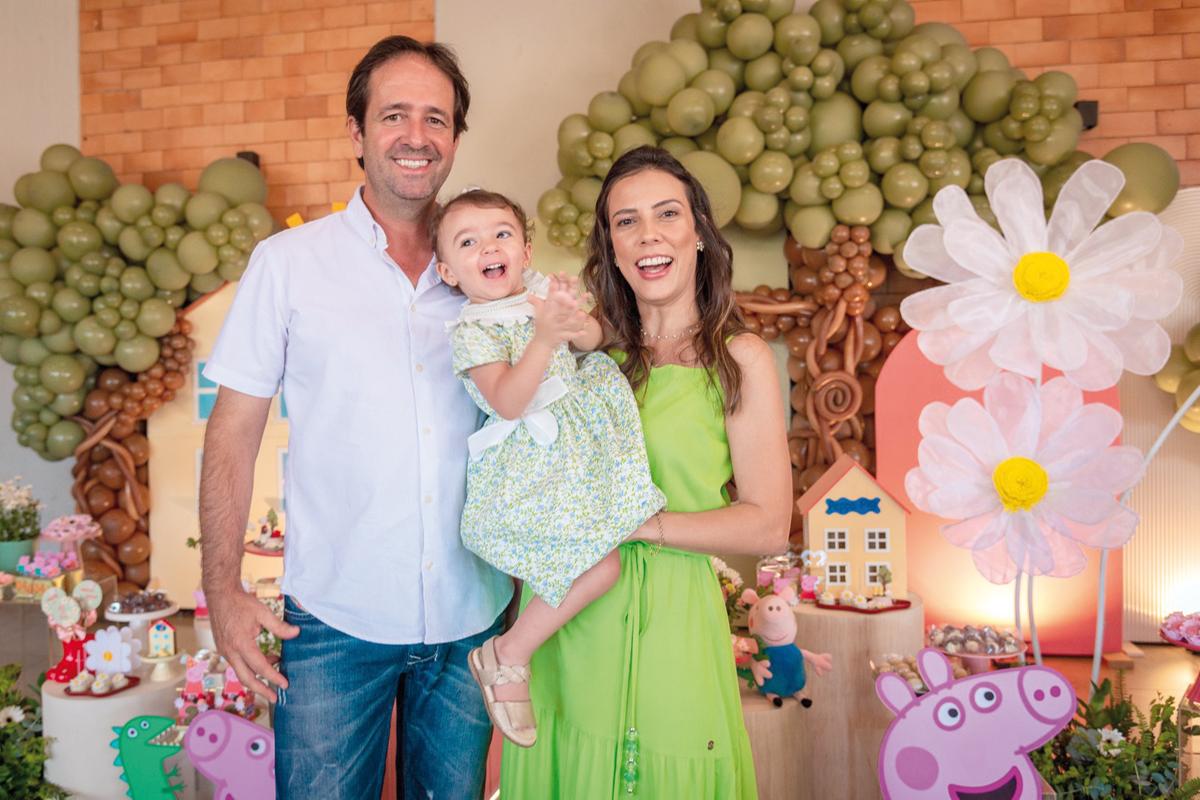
(428, 566)
(419, 367)
(413, 308)
(427, 430)
(428, 498)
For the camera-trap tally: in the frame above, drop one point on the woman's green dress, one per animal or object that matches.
(653, 654)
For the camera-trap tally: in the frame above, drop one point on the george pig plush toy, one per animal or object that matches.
(780, 671)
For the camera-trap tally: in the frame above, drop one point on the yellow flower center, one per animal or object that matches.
(108, 656)
(1020, 482)
(1041, 276)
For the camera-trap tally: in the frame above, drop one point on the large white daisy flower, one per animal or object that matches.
(1029, 475)
(1058, 293)
(112, 651)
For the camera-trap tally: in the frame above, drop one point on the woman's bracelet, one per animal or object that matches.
(662, 536)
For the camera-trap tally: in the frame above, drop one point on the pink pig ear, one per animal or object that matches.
(894, 692)
(934, 668)
(749, 597)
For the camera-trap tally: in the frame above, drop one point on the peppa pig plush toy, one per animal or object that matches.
(779, 671)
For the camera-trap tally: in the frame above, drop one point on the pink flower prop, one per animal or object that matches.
(71, 530)
(1082, 301)
(1028, 476)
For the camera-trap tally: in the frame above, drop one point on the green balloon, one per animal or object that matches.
(749, 36)
(724, 61)
(1058, 144)
(91, 178)
(685, 27)
(62, 340)
(62, 439)
(892, 228)
(739, 141)
(550, 202)
(858, 48)
(10, 287)
(659, 77)
(957, 172)
(1059, 85)
(646, 50)
(77, 239)
(690, 55)
(678, 145)
(574, 128)
(59, 157)
(131, 201)
(137, 354)
(771, 173)
(627, 86)
(861, 205)
(19, 315)
(1151, 178)
(33, 228)
(939, 32)
(811, 226)
(109, 226)
(690, 112)
(235, 179)
(987, 96)
(720, 182)
(711, 29)
(132, 245)
(1057, 176)
(798, 34)
(904, 186)
(258, 220)
(61, 373)
(136, 284)
(47, 190)
(885, 119)
(9, 345)
(764, 72)
(833, 121)
(205, 208)
(608, 111)
(202, 285)
(630, 137)
(31, 353)
(156, 317)
(174, 195)
(32, 265)
(68, 404)
(757, 211)
(719, 86)
(195, 254)
(864, 82)
(165, 271)
(585, 192)
(7, 214)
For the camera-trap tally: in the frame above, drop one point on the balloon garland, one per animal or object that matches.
(95, 280)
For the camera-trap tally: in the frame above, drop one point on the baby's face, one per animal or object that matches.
(483, 252)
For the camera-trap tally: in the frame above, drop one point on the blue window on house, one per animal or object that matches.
(206, 394)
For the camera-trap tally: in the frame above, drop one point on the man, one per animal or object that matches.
(382, 601)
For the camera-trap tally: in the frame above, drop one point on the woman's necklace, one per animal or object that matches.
(664, 337)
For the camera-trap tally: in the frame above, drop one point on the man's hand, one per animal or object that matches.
(237, 618)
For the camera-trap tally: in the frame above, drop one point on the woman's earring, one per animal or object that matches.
(699, 245)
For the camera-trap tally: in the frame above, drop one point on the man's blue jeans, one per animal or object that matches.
(332, 722)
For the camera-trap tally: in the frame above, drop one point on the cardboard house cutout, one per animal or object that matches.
(176, 434)
(860, 526)
(162, 639)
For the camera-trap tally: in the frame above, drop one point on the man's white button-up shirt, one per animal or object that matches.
(377, 450)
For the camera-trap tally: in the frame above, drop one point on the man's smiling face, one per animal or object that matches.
(407, 140)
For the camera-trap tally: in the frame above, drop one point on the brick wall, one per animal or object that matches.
(1139, 58)
(169, 86)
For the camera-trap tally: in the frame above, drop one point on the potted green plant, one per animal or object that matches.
(18, 523)
(1111, 749)
(22, 746)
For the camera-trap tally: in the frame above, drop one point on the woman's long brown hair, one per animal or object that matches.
(617, 306)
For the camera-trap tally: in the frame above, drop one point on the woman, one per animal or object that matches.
(639, 691)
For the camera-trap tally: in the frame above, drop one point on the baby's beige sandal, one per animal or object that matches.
(513, 718)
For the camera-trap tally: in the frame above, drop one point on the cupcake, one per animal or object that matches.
(102, 684)
(81, 682)
(827, 598)
(860, 602)
(120, 681)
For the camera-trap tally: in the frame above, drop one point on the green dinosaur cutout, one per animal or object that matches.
(141, 758)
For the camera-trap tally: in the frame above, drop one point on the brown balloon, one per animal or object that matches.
(810, 476)
(876, 272)
(95, 405)
(887, 318)
(111, 379)
(858, 451)
(795, 368)
(830, 362)
(792, 251)
(804, 280)
(872, 342)
(797, 396)
(139, 447)
(100, 499)
(868, 394)
(116, 525)
(138, 573)
(122, 427)
(110, 474)
(134, 550)
(796, 451)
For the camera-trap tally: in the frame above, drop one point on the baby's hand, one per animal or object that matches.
(555, 319)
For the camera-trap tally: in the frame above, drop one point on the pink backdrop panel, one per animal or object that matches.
(944, 575)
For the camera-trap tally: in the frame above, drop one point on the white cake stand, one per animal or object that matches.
(139, 624)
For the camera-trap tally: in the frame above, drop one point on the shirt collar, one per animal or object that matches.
(360, 220)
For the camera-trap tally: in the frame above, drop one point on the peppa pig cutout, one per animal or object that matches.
(969, 739)
(237, 755)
